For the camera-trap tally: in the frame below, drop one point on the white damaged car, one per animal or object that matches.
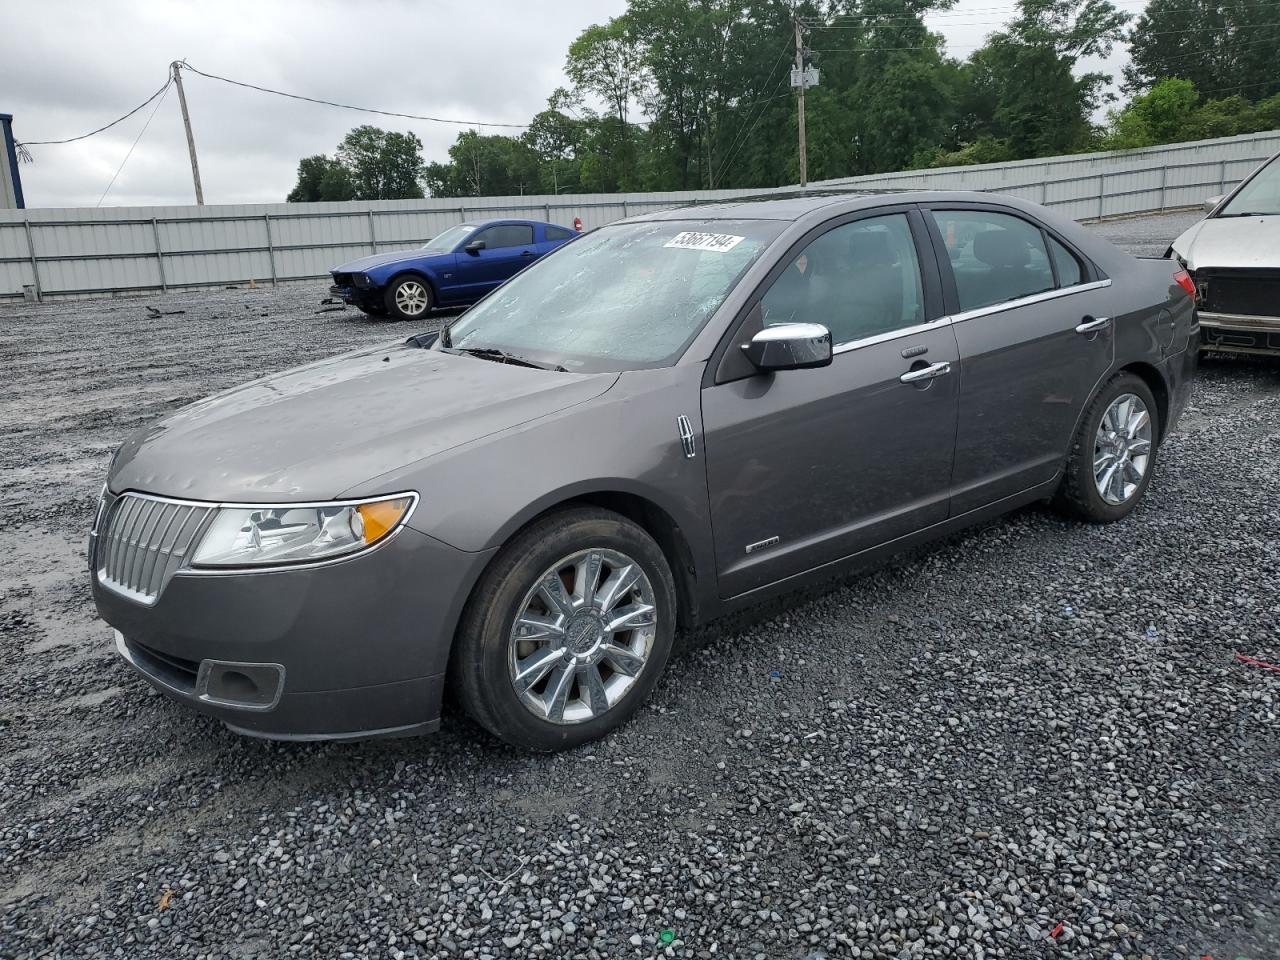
(1233, 255)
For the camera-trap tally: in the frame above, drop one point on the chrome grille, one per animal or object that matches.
(144, 542)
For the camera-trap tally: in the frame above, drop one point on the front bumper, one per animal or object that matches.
(1240, 333)
(357, 296)
(347, 650)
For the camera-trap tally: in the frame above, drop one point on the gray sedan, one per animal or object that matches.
(668, 419)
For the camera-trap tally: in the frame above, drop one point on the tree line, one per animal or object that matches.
(695, 94)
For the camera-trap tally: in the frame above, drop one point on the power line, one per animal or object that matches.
(85, 136)
(154, 110)
(1240, 86)
(348, 106)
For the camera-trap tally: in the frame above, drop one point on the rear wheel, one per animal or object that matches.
(409, 298)
(1113, 453)
(567, 632)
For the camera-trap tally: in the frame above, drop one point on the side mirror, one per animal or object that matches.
(790, 346)
(1212, 202)
(474, 247)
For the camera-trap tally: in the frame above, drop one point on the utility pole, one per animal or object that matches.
(804, 160)
(176, 67)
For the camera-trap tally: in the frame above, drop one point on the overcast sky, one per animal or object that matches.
(67, 68)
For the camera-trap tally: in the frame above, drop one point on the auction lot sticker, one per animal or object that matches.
(719, 242)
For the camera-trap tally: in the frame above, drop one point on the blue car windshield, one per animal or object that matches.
(623, 297)
(445, 242)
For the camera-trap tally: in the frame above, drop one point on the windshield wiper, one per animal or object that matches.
(1252, 213)
(501, 356)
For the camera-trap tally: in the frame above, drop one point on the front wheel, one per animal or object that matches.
(567, 632)
(408, 298)
(1113, 453)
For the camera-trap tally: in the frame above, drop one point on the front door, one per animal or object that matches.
(1036, 335)
(508, 248)
(809, 466)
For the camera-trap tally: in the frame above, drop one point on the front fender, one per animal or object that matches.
(624, 441)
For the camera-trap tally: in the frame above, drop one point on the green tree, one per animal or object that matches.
(383, 164)
(888, 85)
(1022, 84)
(370, 164)
(484, 165)
(321, 178)
(1230, 47)
(605, 60)
(1172, 110)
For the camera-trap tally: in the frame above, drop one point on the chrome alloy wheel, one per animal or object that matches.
(412, 298)
(582, 636)
(1122, 449)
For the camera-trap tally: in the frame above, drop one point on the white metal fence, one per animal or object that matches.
(82, 252)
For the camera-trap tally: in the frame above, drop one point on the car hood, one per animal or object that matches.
(365, 264)
(1231, 242)
(313, 432)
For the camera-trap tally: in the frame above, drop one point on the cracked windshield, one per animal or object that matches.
(620, 298)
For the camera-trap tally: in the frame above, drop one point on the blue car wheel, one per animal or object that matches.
(409, 298)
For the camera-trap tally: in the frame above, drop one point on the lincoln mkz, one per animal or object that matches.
(669, 418)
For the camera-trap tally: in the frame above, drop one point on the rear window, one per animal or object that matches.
(558, 233)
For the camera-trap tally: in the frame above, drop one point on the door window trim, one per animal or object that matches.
(1027, 301)
(937, 323)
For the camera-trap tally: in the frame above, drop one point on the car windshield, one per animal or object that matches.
(623, 297)
(1261, 195)
(446, 241)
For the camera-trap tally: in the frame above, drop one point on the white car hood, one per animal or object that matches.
(1231, 242)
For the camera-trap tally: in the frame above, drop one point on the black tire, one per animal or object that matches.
(480, 669)
(1078, 494)
(392, 300)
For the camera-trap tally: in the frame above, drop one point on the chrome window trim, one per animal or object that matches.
(961, 317)
(214, 506)
(888, 335)
(1034, 298)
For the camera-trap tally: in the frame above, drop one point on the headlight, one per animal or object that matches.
(298, 533)
(361, 280)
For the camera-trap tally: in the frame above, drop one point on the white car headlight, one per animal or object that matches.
(271, 534)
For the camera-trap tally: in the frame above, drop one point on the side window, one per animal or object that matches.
(558, 233)
(506, 235)
(995, 257)
(1069, 270)
(857, 280)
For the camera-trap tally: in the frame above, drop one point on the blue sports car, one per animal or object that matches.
(458, 267)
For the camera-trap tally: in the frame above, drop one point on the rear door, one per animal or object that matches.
(1035, 333)
(508, 248)
(805, 467)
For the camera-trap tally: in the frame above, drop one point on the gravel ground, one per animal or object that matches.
(1032, 740)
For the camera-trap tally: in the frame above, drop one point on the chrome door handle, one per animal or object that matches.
(926, 373)
(1093, 326)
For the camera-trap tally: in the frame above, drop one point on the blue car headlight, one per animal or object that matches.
(361, 280)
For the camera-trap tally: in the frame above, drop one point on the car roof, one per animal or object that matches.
(799, 204)
(492, 220)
